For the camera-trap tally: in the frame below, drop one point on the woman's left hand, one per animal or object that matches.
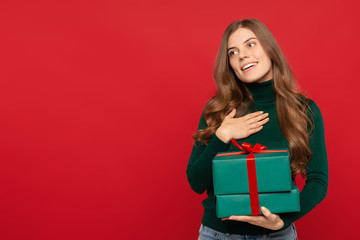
(269, 220)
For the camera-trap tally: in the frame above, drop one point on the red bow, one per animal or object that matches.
(251, 168)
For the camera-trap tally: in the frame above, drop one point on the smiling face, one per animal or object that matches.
(248, 58)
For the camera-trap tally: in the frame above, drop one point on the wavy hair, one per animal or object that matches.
(292, 105)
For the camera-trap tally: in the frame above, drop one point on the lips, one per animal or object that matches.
(252, 64)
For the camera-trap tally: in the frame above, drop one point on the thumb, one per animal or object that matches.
(232, 113)
(266, 212)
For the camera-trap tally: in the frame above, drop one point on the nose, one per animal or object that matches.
(243, 54)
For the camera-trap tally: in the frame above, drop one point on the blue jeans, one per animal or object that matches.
(206, 233)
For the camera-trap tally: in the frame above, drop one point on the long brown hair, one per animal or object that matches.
(292, 105)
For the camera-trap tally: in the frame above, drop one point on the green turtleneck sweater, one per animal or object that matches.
(199, 169)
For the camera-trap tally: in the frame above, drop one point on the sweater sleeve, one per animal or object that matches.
(316, 184)
(199, 168)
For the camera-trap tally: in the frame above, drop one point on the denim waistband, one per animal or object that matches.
(206, 233)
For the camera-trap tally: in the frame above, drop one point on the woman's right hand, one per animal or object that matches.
(242, 127)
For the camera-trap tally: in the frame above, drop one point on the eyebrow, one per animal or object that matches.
(244, 42)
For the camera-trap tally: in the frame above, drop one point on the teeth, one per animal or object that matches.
(248, 65)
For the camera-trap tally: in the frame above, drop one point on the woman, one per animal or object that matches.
(257, 102)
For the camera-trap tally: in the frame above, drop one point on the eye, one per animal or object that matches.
(232, 53)
(251, 44)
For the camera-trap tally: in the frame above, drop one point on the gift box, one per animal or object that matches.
(276, 202)
(230, 175)
(254, 177)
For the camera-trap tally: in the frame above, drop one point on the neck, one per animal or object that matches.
(262, 92)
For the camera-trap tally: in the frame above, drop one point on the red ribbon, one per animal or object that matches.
(251, 168)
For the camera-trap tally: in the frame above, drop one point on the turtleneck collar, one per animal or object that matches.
(262, 92)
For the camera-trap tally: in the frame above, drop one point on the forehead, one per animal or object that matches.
(240, 36)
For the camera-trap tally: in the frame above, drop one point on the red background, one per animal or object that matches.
(98, 101)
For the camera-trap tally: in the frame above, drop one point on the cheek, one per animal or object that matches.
(263, 57)
(268, 62)
(259, 54)
(234, 65)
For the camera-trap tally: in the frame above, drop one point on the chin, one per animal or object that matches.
(256, 75)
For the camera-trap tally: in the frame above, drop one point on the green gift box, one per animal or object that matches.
(276, 202)
(230, 173)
